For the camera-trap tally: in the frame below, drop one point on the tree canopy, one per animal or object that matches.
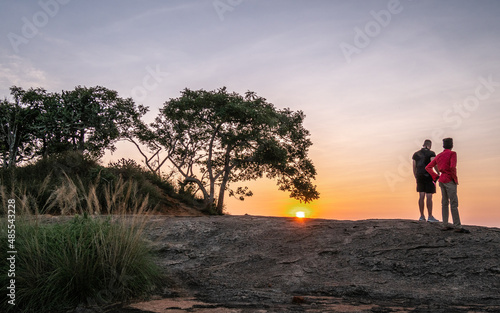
(39, 123)
(216, 138)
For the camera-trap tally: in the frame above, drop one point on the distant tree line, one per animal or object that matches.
(213, 139)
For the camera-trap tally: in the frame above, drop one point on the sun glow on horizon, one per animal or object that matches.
(299, 211)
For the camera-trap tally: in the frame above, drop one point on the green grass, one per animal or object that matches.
(96, 256)
(86, 260)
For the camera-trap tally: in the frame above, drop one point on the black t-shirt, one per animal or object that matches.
(422, 158)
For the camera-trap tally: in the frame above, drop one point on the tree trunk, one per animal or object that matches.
(222, 191)
(81, 141)
(44, 148)
(220, 201)
(211, 177)
(12, 157)
(5, 164)
(211, 197)
(12, 140)
(206, 197)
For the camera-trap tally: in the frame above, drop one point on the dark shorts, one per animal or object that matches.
(425, 184)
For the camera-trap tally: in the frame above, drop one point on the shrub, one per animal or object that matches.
(37, 182)
(61, 184)
(82, 261)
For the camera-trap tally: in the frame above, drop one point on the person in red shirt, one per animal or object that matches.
(446, 163)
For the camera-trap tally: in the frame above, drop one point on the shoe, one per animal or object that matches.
(462, 230)
(432, 219)
(422, 219)
(445, 228)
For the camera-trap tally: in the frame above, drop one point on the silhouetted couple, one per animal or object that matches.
(428, 169)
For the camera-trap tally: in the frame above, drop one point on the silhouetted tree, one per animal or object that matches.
(87, 120)
(216, 138)
(155, 145)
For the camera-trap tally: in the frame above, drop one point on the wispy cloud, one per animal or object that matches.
(16, 70)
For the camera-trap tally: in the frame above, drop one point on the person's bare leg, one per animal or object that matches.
(421, 203)
(429, 204)
(431, 218)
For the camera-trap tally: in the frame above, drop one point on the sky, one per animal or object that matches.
(374, 79)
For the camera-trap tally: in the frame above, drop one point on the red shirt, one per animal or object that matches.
(446, 162)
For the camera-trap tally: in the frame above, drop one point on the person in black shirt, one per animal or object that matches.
(425, 185)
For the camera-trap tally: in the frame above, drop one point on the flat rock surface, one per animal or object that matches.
(273, 264)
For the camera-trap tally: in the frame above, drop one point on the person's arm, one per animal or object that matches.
(430, 168)
(435, 167)
(415, 168)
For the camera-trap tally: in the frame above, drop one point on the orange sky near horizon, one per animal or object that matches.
(355, 189)
(369, 196)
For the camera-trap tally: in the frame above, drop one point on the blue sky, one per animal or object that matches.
(412, 70)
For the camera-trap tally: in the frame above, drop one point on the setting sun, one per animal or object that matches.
(300, 214)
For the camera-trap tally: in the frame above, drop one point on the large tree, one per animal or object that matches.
(48, 129)
(87, 119)
(96, 117)
(216, 138)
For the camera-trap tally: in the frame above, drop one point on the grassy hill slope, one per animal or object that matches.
(71, 183)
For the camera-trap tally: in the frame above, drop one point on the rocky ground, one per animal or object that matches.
(269, 264)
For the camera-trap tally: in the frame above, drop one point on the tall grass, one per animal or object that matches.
(60, 184)
(91, 258)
